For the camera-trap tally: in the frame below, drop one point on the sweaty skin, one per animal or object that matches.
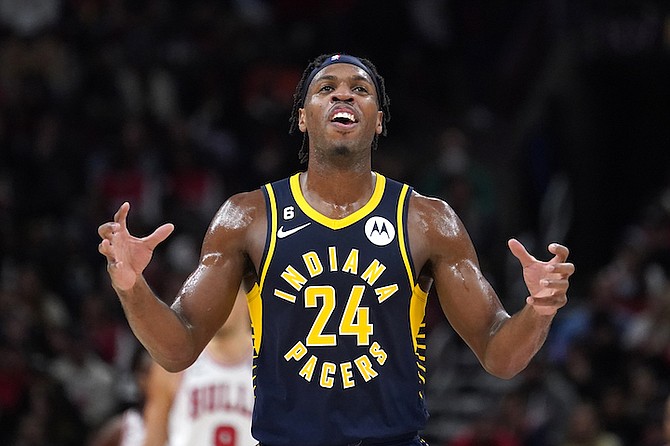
(338, 181)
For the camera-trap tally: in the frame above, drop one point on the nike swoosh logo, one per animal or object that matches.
(281, 233)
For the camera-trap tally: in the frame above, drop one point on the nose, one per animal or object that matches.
(342, 94)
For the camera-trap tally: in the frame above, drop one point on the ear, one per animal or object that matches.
(380, 122)
(301, 120)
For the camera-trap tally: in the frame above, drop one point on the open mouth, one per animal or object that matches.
(344, 118)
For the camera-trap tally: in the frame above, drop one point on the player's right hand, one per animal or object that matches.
(127, 255)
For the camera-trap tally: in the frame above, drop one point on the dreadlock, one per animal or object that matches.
(298, 102)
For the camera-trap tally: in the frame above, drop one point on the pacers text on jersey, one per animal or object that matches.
(355, 319)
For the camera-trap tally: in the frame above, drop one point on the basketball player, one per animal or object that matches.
(209, 403)
(338, 261)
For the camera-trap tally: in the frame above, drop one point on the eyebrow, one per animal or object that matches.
(355, 77)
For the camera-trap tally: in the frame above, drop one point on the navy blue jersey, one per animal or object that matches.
(338, 322)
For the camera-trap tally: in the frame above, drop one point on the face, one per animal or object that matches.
(341, 114)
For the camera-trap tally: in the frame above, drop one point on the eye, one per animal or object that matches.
(360, 89)
(326, 88)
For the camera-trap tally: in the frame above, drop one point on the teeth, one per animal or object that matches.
(344, 115)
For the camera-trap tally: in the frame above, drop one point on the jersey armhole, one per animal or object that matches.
(270, 237)
(403, 242)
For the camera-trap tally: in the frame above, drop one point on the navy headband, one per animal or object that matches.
(340, 58)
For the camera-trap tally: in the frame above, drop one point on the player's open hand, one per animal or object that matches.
(548, 281)
(127, 256)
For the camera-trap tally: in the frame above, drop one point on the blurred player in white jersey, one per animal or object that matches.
(211, 402)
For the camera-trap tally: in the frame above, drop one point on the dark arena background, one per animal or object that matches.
(542, 120)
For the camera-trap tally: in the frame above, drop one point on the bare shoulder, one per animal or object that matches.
(433, 214)
(239, 227)
(435, 230)
(240, 211)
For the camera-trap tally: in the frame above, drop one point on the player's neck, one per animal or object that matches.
(337, 193)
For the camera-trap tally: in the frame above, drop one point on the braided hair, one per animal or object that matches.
(298, 102)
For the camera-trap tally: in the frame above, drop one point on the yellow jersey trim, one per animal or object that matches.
(401, 234)
(417, 313)
(273, 234)
(254, 300)
(255, 304)
(333, 223)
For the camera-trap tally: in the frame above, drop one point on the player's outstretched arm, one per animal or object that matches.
(503, 344)
(175, 334)
(127, 257)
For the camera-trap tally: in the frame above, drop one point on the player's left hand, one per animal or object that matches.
(548, 281)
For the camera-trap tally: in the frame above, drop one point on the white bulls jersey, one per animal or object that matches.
(132, 431)
(213, 405)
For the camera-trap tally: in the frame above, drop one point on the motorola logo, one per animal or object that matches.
(379, 231)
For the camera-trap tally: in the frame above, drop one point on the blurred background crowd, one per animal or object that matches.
(543, 120)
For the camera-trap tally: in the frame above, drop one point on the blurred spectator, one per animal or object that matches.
(465, 182)
(31, 309)
(648, 333)
(616, 415)
(126, 428)
(537, 409)
(103, 327)
(646, 390)
(15, 380)
(486, 430)
(28, 17)
(49, 418)
(86, 380)
(584, 429)
(593, 359)
(193, 190)
(131, 173)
